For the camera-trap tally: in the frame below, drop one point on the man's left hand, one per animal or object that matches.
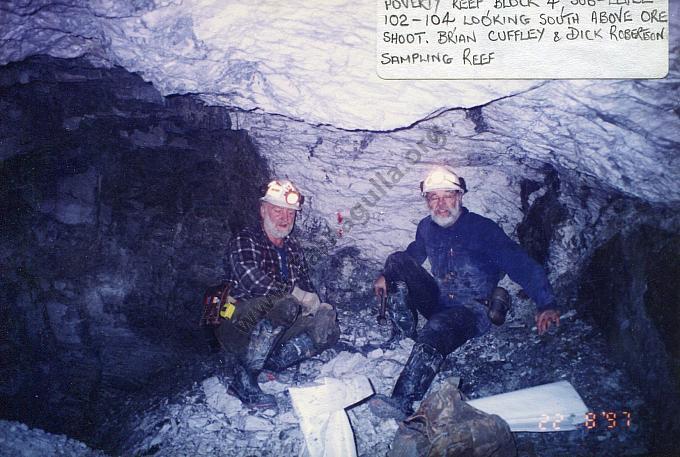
(546, 318)
(311, 303)
(309, 300)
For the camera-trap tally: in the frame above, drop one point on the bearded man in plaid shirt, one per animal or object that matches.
(275, 318)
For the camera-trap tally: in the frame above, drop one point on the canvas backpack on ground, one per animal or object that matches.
(445, 425)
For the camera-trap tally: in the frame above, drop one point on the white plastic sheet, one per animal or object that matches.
(323, 420)
(548, 408)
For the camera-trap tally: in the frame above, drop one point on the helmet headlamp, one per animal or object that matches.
(292, 197)
(283, 193)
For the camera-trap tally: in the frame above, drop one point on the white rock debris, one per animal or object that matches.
(204, 420)
(19, 440)
(216, 396)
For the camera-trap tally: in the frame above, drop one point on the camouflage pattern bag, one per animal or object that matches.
(445, 425)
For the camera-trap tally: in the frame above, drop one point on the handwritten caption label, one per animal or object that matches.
(535, 39)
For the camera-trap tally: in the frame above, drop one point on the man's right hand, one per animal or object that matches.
(380, 286)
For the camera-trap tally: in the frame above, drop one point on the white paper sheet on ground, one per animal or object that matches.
(323, 420)
(548, 408)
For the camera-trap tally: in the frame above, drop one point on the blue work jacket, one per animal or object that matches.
(471, 256)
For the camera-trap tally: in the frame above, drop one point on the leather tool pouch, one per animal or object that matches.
(216, 299)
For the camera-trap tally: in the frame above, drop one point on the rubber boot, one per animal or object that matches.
(244, 385)
(420, 369)
(291, 352)
(405, 320)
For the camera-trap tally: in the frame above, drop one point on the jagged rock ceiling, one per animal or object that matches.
(315, 63)
(315, 66)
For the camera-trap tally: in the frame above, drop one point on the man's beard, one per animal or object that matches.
(273, 230)
(446, 221)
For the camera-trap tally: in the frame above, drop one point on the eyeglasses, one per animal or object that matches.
(448, 198)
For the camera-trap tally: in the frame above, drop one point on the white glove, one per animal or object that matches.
(298, 293)
(310, 301)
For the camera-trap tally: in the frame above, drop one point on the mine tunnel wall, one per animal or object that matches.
(116, 206)
(118, 202)
(629, 288)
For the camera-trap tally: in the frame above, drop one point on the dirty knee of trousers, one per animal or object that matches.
(397, 258)
(332, 330)
(285, 311)
(393, 264)
(324, 329)
(449, 329)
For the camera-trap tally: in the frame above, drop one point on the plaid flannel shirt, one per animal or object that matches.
(255, 268)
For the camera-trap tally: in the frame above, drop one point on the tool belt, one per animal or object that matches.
(217, 305)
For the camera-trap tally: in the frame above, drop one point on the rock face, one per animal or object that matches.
(118, 195)
(255, 56)
(117, 204)
(635, 304)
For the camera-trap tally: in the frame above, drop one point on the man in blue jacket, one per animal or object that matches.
(468, 254)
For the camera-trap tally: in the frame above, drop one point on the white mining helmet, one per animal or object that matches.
(442, 179)
(282, 192)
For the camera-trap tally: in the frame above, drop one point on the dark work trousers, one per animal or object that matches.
(281, 311)
(447, 328)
